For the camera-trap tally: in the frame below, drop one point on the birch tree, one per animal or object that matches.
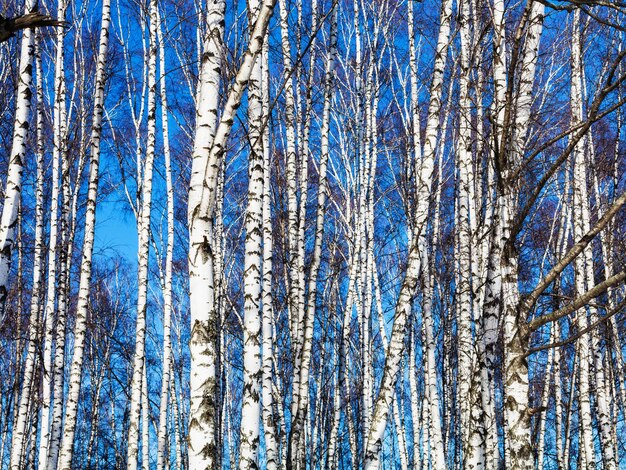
(7, 227)
(396, 211)
(69, 422)
(163, 454)
(13, 187)
(208, 151)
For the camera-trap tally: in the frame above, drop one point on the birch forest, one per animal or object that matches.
(312, 234)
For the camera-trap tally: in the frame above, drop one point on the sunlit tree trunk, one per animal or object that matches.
(54, 248)
(342, 380)
(403, 304)
(432, 392)
(517, 434)
(71, 407)
(291, 163)
(8, 220)
(610, 445)
(415, 413)
(269, 424)
(8, 223)
(209, 147)
(607, 449)
(203, 426)
(558, 408)
(492, 300)
(162, 439)
(297, 317)
(145, 420)
(301, 396)
(580, 215)
(251, 399)
(541, 439)
(143, 228)
(473, 450)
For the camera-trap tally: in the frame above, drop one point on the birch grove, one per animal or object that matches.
(274, 234)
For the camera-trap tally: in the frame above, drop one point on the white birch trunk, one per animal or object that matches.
(145, 420)
(432, 393)
(415, 414)
(291, 161)
(297, 318)
(473, 445)
(580, 215)
(518, 454)
(54, 246)
(541, 439)
(71, 408)
(558, 407)
(301, 395)
(209, 147)
(251, 399)
(203, 425)
(143, 228)
(493, 290)
(12, 197)
(342, 382)
(163, 454)
(269, 424)
(8, 219)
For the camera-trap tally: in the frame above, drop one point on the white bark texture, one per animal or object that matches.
(76, 368)
(251, 399)
(8, 222)
(209, 146)
(163, 454)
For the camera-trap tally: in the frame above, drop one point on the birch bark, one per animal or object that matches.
(518, 446)
(7, 226)
(580, 216)
(203, 425)
(269, 424)
(54, 246)
(297, 449)
(252, 373)
(69, 422)
(8, 219)
(163, 453)
(403, 305)
(208, 152)
(473, 445)
(143, 229)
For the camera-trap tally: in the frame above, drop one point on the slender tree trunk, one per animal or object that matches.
(580, 216)
(71, 408)
(163, 454)
(49, 449)
(518, 446)
(8, 220)
(209, 147)
(53, 248)
(473, 445)
(545, 395)
(269, 424)
(415, 413)
(143, 228)
(252, 373)
(291, 165)
(297, 450)
(145, 420)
